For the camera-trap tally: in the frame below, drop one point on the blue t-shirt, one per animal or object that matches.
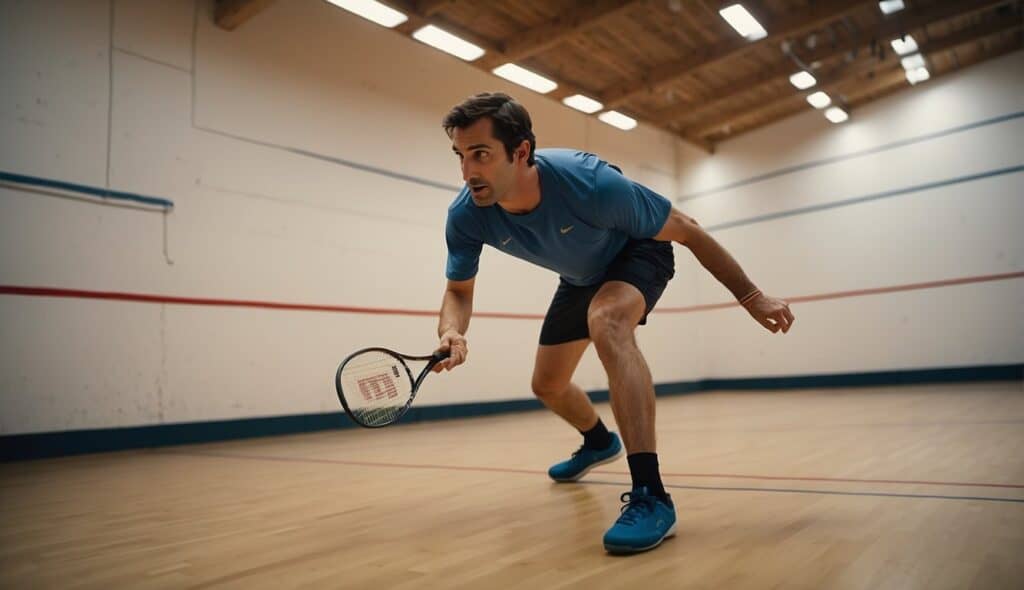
(587, 212)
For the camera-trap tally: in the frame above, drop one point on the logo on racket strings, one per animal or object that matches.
(378, 387)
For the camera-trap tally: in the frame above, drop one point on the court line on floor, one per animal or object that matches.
(835, 479)
(473, 468)
(827, 492)
(827, 426)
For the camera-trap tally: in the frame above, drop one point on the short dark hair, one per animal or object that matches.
(511, 121)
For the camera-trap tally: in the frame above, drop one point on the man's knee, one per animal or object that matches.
(609, 324)
(545, 388)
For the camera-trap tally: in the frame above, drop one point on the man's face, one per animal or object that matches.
(486, 168)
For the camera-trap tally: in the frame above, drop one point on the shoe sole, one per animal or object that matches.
(624, 550)
(592, 465)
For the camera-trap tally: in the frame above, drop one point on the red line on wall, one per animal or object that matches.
(207, 301)
(857, 293)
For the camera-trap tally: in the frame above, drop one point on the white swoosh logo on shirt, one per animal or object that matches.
(566, 230)
(506, 241)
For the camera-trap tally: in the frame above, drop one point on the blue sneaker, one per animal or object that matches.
(584, 459)
(645, 522)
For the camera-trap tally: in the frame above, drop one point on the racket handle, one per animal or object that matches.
(440, 356)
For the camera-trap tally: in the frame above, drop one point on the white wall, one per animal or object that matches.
(213, 120)
(964, 229)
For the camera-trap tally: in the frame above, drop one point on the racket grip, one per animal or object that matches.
(440, 356)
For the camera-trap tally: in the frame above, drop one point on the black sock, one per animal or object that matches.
(644, 469)
(597, 438)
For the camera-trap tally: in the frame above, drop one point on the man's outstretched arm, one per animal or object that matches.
(456, 309)
(772, 313)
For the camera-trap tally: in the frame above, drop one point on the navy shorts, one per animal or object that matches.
(648, 265)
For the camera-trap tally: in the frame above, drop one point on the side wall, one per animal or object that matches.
(306, 164)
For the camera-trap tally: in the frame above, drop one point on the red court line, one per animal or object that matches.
(206, 301)
(857, 293)
(538, 471)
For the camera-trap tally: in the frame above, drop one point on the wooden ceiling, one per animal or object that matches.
(677, 65)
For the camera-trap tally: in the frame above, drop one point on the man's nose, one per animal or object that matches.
(467, 171)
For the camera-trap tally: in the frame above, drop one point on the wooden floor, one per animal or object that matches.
(913, 487)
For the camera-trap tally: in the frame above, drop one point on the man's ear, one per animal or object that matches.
(523, 151)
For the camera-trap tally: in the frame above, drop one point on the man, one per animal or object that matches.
(610, 240)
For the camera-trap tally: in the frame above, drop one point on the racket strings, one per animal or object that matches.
(376, 387)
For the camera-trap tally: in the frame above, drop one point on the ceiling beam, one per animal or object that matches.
(814, 16)
(418, 19)
(891, 28)
(706, 146)
(829, 83)
(896, 82)
(582, 44)
(431, 7)
(847, 73)
(890, 83)
(580, 19)
(231, 14)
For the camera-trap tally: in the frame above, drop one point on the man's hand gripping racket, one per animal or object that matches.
(452, 345)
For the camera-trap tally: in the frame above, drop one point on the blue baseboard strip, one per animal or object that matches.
(20, 447)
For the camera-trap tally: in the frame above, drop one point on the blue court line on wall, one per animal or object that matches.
(73, 442)
(298, 151)
(811, 491)
(851, 155)
(381, 171)
(334, 160)
(85, 189)
(866, 198)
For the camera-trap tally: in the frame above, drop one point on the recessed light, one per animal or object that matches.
(819, 100)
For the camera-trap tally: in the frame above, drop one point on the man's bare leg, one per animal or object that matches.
(649, 517)
(614, 314)
(552, 373)
(551, 383)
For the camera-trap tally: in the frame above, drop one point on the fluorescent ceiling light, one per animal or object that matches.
(802, 80)
(819, 100)
(617, 119)
(913, 62)
(524, 77)
(371, 10)
(448, 43)
(904, 45)
(891, 6)
(583, 103)
(918, 75)
(836, 114)
(744, 22)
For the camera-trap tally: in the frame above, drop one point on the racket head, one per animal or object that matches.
(375, 386)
